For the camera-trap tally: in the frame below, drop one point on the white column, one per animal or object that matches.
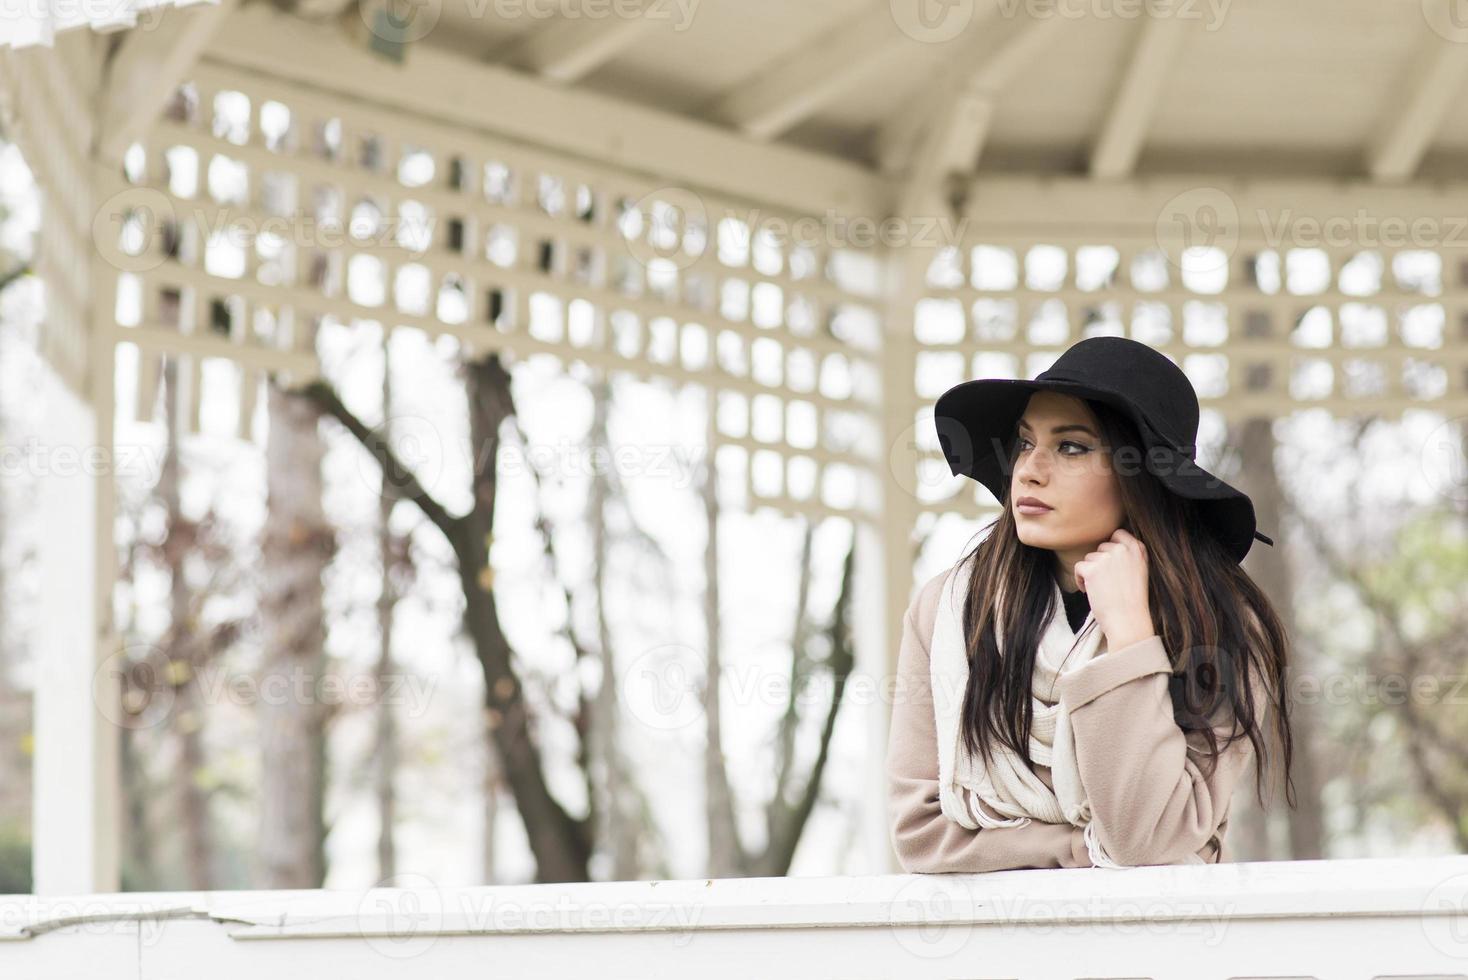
(75, 767)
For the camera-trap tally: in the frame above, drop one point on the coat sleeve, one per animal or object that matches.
(924, 839)
(1144, 777)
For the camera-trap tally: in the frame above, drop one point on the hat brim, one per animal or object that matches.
(976, 421)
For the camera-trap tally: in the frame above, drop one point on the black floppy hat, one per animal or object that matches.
(976, 421)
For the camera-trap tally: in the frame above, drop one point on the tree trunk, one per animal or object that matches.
(1268, 567)
(184, 651)
(618, 810)
(297, 546)
(561, 844)
(726, 856)
(493, 775)
(386, 742)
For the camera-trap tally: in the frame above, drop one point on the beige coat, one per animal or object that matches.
(1149, 800)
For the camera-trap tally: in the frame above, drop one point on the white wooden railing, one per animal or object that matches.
(1332, 920)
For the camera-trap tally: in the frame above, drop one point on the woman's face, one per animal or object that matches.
(1061, 461)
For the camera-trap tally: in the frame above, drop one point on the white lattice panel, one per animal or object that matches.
(41, 88)
(1261, 332)
(257, 209)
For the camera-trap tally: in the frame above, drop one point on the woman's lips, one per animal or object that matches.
(1033, 510)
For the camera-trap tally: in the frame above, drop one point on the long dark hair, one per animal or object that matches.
(1215, 623)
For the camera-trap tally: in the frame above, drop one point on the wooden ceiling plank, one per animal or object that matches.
(1120, 143)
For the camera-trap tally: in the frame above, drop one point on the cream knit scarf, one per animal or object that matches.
(1008, 787)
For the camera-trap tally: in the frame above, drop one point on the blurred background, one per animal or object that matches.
(505, 428)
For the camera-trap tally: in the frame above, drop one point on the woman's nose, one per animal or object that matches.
(1034, 464)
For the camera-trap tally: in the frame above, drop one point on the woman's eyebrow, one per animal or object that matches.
(1063, 428)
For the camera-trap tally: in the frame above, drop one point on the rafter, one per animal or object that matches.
(784, 94)
(1116, 150)
(1434, 80)
(485, 98)
(146, 68)
(569, 50)
(968, 91)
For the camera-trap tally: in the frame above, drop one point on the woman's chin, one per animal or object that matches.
(1039, 538)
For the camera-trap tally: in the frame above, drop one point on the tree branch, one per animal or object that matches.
(840, 661)
(400, 475)
(14, 275)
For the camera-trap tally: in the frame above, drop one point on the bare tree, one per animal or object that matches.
(560, 842)
(202, 564)
(627, 826)
(784, 821)
(1419, 639)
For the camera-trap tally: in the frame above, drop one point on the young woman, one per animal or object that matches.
(1088, 684)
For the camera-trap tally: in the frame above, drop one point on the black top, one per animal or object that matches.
(1077, 607)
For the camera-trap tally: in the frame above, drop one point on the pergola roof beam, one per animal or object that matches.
(147, 67)
(493, 99)
(790, 91)
(1433, 82)
(570, 50)
(1116, 151)
(966, 106)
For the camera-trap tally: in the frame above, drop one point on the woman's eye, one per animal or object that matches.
(1024, 443)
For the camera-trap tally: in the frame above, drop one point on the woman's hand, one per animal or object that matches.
(1114, 578)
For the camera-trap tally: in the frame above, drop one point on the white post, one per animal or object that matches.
(75, 767)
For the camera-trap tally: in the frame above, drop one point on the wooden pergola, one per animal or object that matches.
(821, 213)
